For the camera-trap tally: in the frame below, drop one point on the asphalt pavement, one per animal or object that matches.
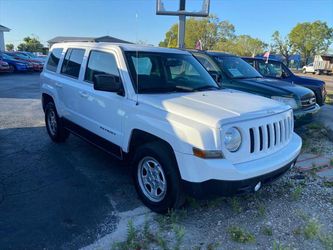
(53, 196)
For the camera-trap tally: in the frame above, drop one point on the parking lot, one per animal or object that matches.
(72, 195)
(52, 196)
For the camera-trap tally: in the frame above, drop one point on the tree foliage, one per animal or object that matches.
(310, 39)
(242, 45)
(31, 44)
(209, 30)
(282, 46)
(9, 46)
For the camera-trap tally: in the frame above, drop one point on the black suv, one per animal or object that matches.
(233, 72)
(277, 70)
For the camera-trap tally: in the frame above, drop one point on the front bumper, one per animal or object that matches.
(227, 188)
(306, 113)
(198, 170)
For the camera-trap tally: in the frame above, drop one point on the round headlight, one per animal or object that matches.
(232, 139)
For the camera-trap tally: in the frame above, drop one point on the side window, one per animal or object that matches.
(72, 62)
(100, 63)
(207, 63)
(271, 69)
(251, 62)
(54, 58)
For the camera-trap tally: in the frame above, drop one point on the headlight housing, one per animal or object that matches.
(286, 100)
(232, 139)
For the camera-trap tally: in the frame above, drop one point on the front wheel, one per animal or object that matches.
(156, 177)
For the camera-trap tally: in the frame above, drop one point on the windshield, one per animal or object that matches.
(23, 56)
(165, 73)
(8, 57)
(236, 67)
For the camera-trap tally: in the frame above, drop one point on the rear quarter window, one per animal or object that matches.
(72, 62)
(54, 58)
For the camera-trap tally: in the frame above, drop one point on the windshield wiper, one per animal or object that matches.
(206, 87)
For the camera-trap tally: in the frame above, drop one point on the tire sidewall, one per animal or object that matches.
(48, 108)
(170, 168)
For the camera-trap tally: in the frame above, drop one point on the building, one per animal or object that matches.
(2, 37)
(60, 39)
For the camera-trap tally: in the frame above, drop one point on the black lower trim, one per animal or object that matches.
(228, 188)
(94, 139)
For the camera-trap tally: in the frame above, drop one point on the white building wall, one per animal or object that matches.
(2, 41)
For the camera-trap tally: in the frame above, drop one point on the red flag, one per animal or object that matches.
(198, 45)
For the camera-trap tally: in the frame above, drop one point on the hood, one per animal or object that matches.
(214, 108)
(276, 87)
(308, 81)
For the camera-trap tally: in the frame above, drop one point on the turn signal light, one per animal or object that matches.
(207, 154)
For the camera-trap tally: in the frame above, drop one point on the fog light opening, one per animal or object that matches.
(258, 186)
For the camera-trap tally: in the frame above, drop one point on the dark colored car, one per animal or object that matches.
(4, 67)
(233, 72)
(278, 70)
(16, 65)
(37, 65)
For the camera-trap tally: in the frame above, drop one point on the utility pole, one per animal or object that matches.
(181, 26)
(182, 13)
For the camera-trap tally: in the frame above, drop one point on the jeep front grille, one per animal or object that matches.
(270, 135)
(260, 136)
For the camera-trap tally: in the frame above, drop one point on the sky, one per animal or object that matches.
(136, 20)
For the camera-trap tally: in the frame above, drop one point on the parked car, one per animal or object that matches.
(308, 69)
(16, 65)
(278, 70)
(4, 67)
(161, 110)
(233, 72)
(37, 65)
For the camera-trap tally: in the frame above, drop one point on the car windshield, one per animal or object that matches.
(8, 57)
(23, 56)
(167, 72)
(236, 68)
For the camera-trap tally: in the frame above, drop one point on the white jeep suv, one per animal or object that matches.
(160, 109)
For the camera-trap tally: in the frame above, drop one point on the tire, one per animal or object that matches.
(159, 158)
(54, 125)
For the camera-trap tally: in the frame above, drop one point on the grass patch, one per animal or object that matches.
(311, 229)
(297, 193)
(266, 230)
(326, 240)
(279, 246)
(329, 98)
(239, 235)
(235, 205)
(328, 184)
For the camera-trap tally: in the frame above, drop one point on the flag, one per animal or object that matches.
(267, 55)
(198, 45)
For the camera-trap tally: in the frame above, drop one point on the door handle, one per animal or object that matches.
(83, 94)
(58, 85)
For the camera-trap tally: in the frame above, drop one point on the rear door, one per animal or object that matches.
(70, 84)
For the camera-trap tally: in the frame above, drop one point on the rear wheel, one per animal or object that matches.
(54, 125)
(156, 177)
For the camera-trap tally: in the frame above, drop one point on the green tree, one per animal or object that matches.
(242, 45)
(31, 44)
(9, 46)
(282, 46)
(310, 39)
(209, 30)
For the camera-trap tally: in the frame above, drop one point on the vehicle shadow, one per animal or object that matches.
(58, 195)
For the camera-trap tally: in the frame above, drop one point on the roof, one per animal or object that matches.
(3, 28)
(61, 39)
(258, 58)
(123, 46)
(208, 52)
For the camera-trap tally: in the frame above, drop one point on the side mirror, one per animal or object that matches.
(109, 83)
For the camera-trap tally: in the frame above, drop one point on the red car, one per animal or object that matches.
(36, 64)
(4, 67)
